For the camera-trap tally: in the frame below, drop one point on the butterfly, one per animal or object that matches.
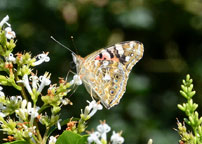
(105, 72)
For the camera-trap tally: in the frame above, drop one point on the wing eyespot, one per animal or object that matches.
(112, 91)
(117, 77)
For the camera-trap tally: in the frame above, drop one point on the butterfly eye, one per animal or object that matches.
(116, 76)
(112, 91)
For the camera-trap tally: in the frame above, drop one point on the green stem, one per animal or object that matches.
(38, 134)
(22, 88)
(43, 108)
(45, 136)
(23, 92)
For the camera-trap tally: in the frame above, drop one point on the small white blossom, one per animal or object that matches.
(52, 140)
(58, 124)
(93, 107)
(150, 141)
(116, 138)
(1, 93)
(66, 101)
(94, 137)
(29, 130)
(25, 110)
(9, 33)
(22, 112)
(4, 21)
(2, 114)
(16, 99)
(42, 58)
(45, 81)
(32, 111)
(2, 107)
(11, 58)
(35, 81)
(76, 80)
(25, 81)
(103, 129)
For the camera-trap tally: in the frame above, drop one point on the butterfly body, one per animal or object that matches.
(105, 72)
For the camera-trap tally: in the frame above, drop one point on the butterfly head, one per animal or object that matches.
(78, 60)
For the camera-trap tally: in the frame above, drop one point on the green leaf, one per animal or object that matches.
(69, 137)
(17, 142)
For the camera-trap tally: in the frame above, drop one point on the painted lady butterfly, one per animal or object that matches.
(105, 72)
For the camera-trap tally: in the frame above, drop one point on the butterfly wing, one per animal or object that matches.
(105, 72)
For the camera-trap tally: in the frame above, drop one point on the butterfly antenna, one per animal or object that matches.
(72, 38)
(67, 76)
(62, 44)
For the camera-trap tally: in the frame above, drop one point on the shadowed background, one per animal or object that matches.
(171, 32)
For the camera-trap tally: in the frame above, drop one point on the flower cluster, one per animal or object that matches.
(17, 72)
(90, 110)
(100, 136)
(9, 33)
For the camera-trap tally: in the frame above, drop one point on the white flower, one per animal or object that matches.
(116, 138)
(25, 81)
(1, 93)
(66, 101)
(103, 129)
(2, 114)
(35, 81)
(150, 141)
(52, 140)
(16, 99)
(25, 110)
(22, 112)
(4, 21)
(93, 107)
(11, 58)
(2, 107)
(29, 130)
(76, 80)
(32, 111)
(9, 33)
(42, 58)
(58, 124)
(45, 81)
(94, 137)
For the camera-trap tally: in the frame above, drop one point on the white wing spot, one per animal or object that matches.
(105, 63)
(96, 62)
(139, 50)
(119, 48)
(116, 71)
(132, 44)
(106, 77)
(105, 54)
(127, 58)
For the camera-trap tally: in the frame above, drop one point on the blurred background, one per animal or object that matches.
(171, 31)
